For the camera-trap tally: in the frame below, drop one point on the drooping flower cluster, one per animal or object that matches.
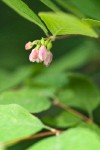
(41, 53)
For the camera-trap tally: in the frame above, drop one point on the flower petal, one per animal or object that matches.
(42, 53)
(48, 59)
(34, 56)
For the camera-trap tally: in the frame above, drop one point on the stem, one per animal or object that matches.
(39, 135)
(73, 111)
(61, 37)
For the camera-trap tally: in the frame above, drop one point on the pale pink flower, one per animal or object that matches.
(33, 57)
(42, 53)
(48, 59)
(28, 45)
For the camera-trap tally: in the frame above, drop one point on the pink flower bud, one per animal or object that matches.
(42, 53)
(34, 56)
(28, 45)
(48, 59)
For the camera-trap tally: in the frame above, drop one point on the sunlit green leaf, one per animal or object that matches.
(16, 123)
(92, 22)
(34, 100)
(61, 24)
(73, 139)
(93, 127)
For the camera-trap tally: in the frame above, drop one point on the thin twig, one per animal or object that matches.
(39, 135)
(60, 37)
(73, 111)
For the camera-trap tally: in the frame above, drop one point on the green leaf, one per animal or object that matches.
(34, 100)
(51, 79)
(66, 5)
(73, 139)
(93, 127)
(80, 93)
(61, 119)
(51, 5)
(80, 56)
(22, 9)
(16, 123)
(90, 8)
(92, 22)
(9, 80)
(61, 24)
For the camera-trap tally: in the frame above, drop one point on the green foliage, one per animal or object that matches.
(34, 100)
(87, 7)
(61, 119)
(93, 127)
(68, 6)
(56, 107)
(66, 24)
(80, 93)
(20, 123)
(51, 5)
(21, 8)
(71, 139)
(80, 56)
(51, 76)
(9, 80)
(92, 22)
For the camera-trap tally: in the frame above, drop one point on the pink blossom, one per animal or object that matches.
(48, 59)
(42, 53)
(28, 45)
(33, 57)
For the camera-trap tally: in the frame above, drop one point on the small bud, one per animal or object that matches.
(28, 45)
(42, 41)
(48, 59)
(49, 45)
(42, 53)
(33, 57)
(46, 42)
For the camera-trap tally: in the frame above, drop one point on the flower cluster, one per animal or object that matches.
(41, 53)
